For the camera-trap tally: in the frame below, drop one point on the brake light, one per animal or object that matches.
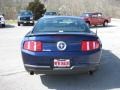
(35, 46)
(90, 45)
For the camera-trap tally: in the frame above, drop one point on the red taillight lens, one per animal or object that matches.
(90, 45)
(35, 46)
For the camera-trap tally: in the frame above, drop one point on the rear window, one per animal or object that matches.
(60, 25)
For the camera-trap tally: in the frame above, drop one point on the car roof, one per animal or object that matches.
(74, 17)
(22, 11)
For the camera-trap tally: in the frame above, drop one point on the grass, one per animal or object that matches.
(11, 21)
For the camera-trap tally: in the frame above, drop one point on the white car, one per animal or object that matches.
(2, 21)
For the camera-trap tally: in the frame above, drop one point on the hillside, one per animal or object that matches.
(70, 7)
(65, 7)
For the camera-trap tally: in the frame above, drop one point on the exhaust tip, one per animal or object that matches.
(91, 72)
(31, 73)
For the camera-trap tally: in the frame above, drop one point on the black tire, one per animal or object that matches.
(88, 24)
(32, 24)
(18, 24)
(105, 24)
(91, 72)
(3, 25)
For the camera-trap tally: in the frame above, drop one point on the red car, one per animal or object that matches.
(95, 19)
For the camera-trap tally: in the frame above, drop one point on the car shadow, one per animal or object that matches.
(107, 77)
(92, 27)
(8, 26)
(27, 25)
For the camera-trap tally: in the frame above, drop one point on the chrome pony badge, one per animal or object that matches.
(61, 45)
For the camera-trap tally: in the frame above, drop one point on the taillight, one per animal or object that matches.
(35, 46)
(90, 45)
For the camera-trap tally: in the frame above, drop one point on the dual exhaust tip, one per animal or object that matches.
(32, 73)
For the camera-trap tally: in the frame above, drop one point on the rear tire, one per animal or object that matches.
(88, 24)
(3, 25)
(32, 24)
(91, 72)
(105, 23)
(18, 24)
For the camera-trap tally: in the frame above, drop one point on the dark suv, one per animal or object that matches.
(25, 17)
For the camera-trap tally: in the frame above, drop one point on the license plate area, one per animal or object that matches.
(61, 63)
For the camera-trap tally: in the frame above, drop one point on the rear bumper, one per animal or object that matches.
(49, 70)
(25, 22)
(43, 62)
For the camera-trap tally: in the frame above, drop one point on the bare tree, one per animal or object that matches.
(66, 7)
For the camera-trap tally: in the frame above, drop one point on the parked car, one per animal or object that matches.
(60, 45)
(51, 13)
(2, 21)
(25, 17)
(95, 19)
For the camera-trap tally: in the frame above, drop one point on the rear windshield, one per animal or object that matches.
(60, 25)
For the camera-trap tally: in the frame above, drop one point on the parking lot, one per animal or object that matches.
(14, 77)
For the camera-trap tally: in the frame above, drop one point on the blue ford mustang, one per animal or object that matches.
(61, 44)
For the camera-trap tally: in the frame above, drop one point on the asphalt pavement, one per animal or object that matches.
(14, 77)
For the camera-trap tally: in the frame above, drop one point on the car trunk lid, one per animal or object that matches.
(62, 42)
